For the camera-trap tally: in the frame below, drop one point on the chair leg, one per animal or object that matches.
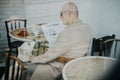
(100, 53)
(92, 54)
(59, 77)
(16, 51)
(2, 70)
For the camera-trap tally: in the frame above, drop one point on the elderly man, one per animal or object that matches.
(72, 42)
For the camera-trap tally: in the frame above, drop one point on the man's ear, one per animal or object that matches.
(61, 14)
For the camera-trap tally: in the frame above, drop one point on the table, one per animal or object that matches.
(87, 68)
(29, 37)
(28, 46)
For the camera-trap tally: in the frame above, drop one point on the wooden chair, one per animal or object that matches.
(115, 47)
(59, 77)
(2, 70)
(11, 25)
(97, 45)
(14, 69)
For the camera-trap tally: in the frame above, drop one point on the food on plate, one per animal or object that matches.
(23, 33)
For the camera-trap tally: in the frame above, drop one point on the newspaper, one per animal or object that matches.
(52, 31)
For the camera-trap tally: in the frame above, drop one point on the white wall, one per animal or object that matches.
(43, 11)
(9, 8)
(102, 15)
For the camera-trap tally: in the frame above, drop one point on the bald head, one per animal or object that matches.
(69, 13)
(70, 6)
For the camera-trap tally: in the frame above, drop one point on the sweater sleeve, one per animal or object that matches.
(71, 37)
(60, 47)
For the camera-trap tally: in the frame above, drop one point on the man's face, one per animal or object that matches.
(65, 17)
(68, 17)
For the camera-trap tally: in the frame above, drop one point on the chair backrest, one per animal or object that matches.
(14, 69)
(97, 45)
(115, 47)
(14, 24)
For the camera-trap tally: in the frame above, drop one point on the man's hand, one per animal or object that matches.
(64, 59)
(31, 57)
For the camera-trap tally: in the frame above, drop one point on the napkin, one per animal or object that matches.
(25, 50)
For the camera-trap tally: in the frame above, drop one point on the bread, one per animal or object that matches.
(23, 33)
